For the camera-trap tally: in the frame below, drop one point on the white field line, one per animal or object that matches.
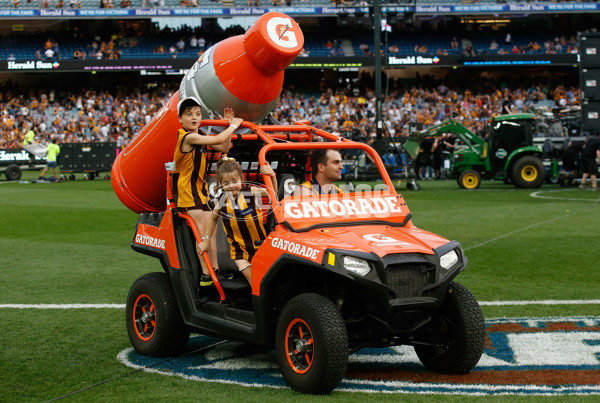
(542, 302)
(482, 303)
(517, 230)
(62, 306)
(536, 195)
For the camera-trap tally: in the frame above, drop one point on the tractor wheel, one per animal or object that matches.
(312, 344)
(528, 172)
(154, 324)
(456, 334)
(469, 179)
(13, 172)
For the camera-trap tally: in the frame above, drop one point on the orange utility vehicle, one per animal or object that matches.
(336, 273)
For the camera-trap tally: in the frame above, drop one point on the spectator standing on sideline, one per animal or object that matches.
(589, 154)
(425, 158)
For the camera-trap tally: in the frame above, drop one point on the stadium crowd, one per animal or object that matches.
(103, 115)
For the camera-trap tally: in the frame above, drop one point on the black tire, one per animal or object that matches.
(312, 344)
(528, 172)
(13, 172)
(457, 334)
(469, 179)
(154, 324)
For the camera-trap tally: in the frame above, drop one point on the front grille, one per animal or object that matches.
(409, 279)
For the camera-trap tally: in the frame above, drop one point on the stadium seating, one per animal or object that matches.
(24, 47)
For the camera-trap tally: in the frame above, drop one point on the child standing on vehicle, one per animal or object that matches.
(191, 168)
(239, 208)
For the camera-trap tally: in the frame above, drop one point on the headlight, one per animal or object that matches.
(356, 266)
(449, 259)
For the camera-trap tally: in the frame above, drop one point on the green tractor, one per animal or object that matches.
(508, 153)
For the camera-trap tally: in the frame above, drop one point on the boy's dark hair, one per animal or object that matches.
(228, 165)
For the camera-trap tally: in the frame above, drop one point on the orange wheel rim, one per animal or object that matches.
(299, 346)
(144, 317)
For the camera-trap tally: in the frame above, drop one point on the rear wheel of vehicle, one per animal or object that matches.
(457, 334)
(528, 172)
(154, 324)
(13, 172)
(312, 344)
(469, 179)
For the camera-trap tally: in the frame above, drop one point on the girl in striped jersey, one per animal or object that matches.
(191, 166)
(239, 207)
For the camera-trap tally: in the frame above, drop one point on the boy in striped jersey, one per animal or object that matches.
(239, 208)
(191, 168)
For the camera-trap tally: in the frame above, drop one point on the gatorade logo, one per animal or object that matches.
(201, 62)
(279, 30)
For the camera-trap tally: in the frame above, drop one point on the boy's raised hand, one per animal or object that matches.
(230, 116)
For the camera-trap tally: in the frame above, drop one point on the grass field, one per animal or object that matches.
(68, 243)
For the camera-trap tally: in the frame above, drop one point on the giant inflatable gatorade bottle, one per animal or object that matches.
(243, 72)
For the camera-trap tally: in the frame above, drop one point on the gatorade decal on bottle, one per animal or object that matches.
(203, 61)
(279, 30)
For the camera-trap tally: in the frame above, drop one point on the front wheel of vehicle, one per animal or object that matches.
(154, 324)
(469, 179)
(311, 344)
(456, 335)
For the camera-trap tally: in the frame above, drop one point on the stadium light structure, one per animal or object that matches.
(409, 19)
(377, 72)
